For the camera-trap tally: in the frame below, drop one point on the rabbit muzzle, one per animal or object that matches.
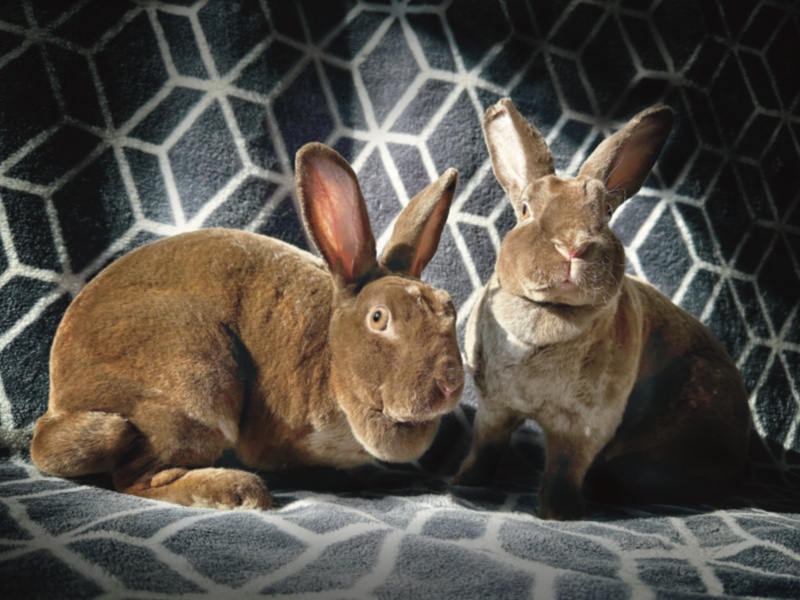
(585, 270)
(432, 399)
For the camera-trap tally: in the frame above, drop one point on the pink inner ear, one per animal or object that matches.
(506, 136)
(336, 215)
(636, 158)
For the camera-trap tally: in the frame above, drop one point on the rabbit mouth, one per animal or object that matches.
(558, 296)
(566, 292)
(438, 407)
(440, 397)
(403, 421)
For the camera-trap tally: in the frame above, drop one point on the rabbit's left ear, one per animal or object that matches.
(334, 212)
(518, 150)
(418, 228)
(624, 161)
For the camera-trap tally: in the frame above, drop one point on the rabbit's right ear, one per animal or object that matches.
(518, 150)
(334, 212)
(418, 228)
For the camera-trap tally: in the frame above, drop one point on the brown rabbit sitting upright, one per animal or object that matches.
(222, 339)
(625, 385)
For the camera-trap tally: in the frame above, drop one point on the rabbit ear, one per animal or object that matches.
(334, 211)
(624, 160)
(418, 228)
(518, 150)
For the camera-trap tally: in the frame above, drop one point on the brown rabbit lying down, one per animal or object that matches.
(625, 385)
(222, 339)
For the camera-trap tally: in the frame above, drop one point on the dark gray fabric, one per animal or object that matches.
(123, 122)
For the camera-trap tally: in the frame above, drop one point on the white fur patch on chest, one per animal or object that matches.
(337, 447)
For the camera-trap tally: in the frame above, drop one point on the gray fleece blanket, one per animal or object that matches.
(125, 121)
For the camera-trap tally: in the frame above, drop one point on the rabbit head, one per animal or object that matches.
(396, 367)
(562, 251)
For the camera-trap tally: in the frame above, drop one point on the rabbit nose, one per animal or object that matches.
(570, 252)
(446, 391)
(450, 378)
(445, 388)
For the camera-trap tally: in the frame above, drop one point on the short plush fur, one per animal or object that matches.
(636, 399)
(221, 339)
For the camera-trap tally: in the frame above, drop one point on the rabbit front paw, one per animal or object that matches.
(561, 500)
(207, 488)
(479, 467)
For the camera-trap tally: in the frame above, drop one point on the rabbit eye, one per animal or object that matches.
(378, 318)
(526, 210)
(609, 212)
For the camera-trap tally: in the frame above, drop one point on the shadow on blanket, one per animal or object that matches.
(766, 486)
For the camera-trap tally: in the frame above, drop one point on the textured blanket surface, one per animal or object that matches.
(122, 122)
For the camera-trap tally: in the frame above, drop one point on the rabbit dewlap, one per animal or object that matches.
(625, 385)
(223, 339)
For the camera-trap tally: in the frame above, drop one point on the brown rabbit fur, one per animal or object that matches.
(221, 339)
(625, 385)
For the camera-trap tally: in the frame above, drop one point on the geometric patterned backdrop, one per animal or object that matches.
(125, 121)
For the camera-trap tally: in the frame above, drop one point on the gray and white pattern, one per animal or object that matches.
(122, 122)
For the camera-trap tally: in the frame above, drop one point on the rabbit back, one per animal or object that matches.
(220, 333)
(651, 384)
(688, 401)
